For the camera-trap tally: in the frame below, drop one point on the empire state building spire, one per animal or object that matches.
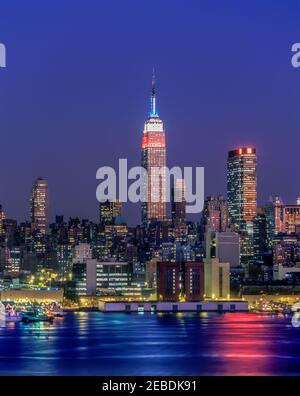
(153, 158)
(153, 112)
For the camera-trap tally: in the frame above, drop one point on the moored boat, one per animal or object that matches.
(36, 315)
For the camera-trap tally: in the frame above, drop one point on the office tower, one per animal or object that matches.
(286, 249)
(2, 217)
(39, 205)
(216, 273)
(278, 215)
(241, 186)
(242, 196)
(291, 218)
(154, 162)
(282, 218)
(178, 209)
(178, 201)
(214, 214)
(270, 219)
(260, 232)
(10, 231)
(108, 211)
(82, 252)
(84, 276)
(151, 273)
(228, 248)
(113, 275)
(92, 277)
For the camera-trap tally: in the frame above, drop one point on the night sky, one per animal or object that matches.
(75, 93)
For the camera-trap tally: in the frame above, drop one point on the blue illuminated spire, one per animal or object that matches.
(153, 111)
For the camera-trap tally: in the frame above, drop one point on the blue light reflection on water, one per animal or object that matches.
(163, 344)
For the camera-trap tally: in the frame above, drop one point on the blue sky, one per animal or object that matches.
(75, 93)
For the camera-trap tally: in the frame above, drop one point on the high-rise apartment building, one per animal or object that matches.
(39, 205)
(154, 162)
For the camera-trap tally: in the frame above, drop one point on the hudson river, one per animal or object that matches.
(148, 344)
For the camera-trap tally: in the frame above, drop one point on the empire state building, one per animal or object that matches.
(154, 161)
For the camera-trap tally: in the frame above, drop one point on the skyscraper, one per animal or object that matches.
(241, 186)
(214, 214)
(108, 211)
(2, 217)
(178, 202)
(178, 208)
(260, 232)
(39, 205)
(242, 197)
(154, 161)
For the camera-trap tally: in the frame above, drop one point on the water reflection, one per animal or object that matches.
(162, 344)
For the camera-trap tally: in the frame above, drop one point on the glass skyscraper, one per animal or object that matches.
(242, 195)
(39, 205)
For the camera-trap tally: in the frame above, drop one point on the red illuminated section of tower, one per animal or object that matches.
(154, 161)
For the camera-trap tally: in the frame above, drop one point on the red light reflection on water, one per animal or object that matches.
(242, 346)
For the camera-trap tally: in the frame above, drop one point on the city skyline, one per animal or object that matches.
(149, 192)
(151, 138)
(78, 110)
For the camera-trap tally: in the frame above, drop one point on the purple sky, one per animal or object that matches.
(75, 94)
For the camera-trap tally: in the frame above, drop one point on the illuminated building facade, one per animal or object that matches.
(260, 232)
(281, 218)
(154, 162)
(180, 281)
(92, 277)
(241, 186)
(292, 218)
(178, 201)
(2, 217)
(194, 281)
(215, 214)
(178, 209)
(242, 196)
(108, 211)
(39, 204)
(168, 288)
